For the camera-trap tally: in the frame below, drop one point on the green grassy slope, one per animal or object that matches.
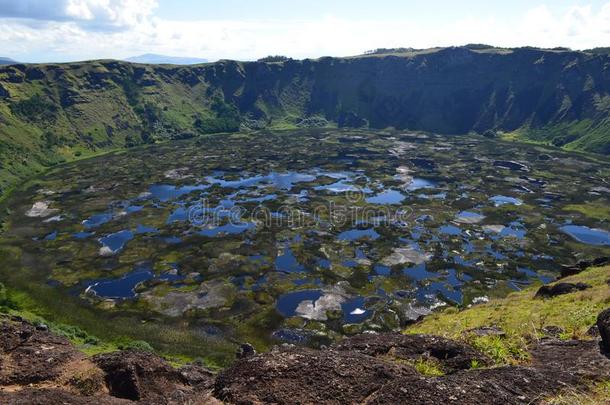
(523, 318)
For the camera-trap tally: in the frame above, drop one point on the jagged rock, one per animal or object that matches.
(603, 324)
(570, 270)
(550, 291)
(593, 331)
(367, 368)
(245, 350)
(411, 313)
(32, 360)
(40, 209)
(34, 73)
(138, 375)
(552, 331)
(4, 92)
(487, 331)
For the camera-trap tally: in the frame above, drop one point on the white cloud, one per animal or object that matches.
(579, 27)
(129, 28)
(88, 14)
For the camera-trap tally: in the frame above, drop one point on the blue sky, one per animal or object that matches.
(432, 11)
(65, 30)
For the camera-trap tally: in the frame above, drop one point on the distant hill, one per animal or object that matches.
(154, 59)
(599, 51)
(55, 112)
(7, 61)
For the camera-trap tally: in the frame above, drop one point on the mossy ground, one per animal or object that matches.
(109, 337)
(599, 209)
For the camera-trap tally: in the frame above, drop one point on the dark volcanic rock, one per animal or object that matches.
(4, 92)
(550, 291)
(360, 370)
(452, 355)
(504, 385)
(245, 350)
(423, 163)
(572, 360)
(487, 331)
(552, 331)
(367, 369)
(39, 367)
(138, 375)
(570, 270)
(603, 324)
(301, 375)
(47, 396)
(372, 369)
(29, 355)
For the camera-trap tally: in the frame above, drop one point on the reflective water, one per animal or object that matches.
(587, 235)
(386, 197)
(121, 288)
(467, 232)
(116, 241)
(355, 234)
(97, 220)
(500, 200)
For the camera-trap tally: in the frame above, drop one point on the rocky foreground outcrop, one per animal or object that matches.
(377, 369)
(37, 367)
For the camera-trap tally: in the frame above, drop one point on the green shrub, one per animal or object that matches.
(132, 91)
(5, 301)
(74, 333)
(274, 58)
(52, 139)
(227, 118)
(35, 108)
(138, 345)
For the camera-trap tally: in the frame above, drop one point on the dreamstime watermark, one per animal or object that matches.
(352, 210)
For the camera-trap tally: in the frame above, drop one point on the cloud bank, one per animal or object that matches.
(88, 14)
(90, 29)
